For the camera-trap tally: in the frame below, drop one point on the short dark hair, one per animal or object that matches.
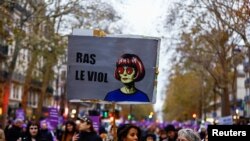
(170, 127)
(150, 135)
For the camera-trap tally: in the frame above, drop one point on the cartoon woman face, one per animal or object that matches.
(127, 74)
(129, 64)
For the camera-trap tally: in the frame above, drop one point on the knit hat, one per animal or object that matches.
(85, 119)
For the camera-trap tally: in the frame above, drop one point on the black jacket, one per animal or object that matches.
(14, 133)
(45, 135)
(89, 136)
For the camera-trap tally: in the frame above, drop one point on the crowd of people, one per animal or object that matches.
(83, 130)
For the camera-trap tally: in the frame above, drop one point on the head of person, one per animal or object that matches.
(86, 124)
(150, 137)
(32, 129)
(162, 134)
(129, 68)
(18, 123)
(129, 132)
(187, 134)
(170, 131)
(24, 127)
(70, 126)
(44, 125)
(9, 122)
(202, 132)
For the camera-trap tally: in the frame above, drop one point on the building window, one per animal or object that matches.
(33, 98)
(15, 92)
(29, 101)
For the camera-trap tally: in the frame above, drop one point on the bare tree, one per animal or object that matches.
(207, 41)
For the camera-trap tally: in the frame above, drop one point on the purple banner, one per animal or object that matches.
(20, 114)
(53, 117)
(47, 123)
(96, 122)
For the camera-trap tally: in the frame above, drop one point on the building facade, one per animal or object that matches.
(12, 44)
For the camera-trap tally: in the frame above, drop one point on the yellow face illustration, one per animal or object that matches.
(127, 74)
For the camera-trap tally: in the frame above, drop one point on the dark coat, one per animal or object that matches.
(14, 133)
(45, 135)
(29, 138)
(89, 136)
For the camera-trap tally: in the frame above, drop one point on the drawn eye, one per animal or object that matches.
(120, 70)
(129, 70)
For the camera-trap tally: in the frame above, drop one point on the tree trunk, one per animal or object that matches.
(45, 84)
(234, 87)
(28, 79)
(225, 103)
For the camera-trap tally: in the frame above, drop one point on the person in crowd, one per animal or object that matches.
(129, 69)
(59, 131)
(150, 137)
(46, 134)
(24, 128)
(202, 132)
(103, 133)
(15, 131)
(162, 135)
(206, 138)
(32, 132)
(8, 126)
(171, 132)
(157, 132)
(187, 134)
(70, 130)
(2, 134)
(151, 128)
(86, 131)
(112, 133)
(129, 132)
